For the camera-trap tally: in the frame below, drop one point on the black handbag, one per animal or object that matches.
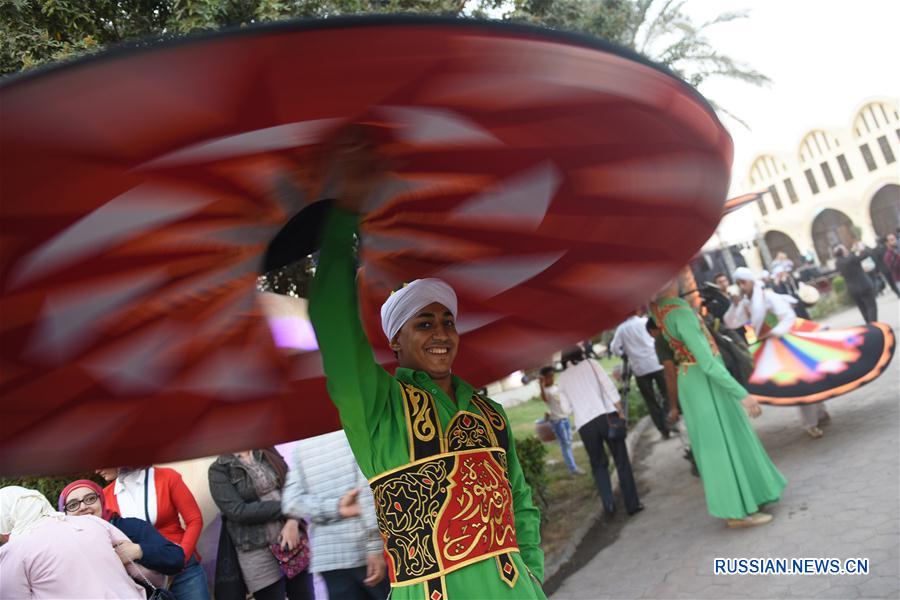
(158, 593)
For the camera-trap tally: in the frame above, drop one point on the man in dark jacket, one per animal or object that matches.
(859, 285)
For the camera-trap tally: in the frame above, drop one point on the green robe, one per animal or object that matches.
(738, 476)
(369, 401)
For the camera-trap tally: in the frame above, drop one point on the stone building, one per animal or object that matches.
(840, 184)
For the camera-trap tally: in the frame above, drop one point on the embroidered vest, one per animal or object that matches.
(683, 356)
(451, 505)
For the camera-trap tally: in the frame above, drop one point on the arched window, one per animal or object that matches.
(766, 168)
(778, 241)
(816, 145)
(875, 117)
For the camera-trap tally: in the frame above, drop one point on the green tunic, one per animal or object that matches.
(738, 476)
(369, 401)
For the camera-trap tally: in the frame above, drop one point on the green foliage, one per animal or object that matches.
(531, 452)
(838, 285)
(33, 32)
(38, 31)
(291, 280)
(837, 300)
(637, 408)
(50, 487)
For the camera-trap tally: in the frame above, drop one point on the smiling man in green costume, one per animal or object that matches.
(454, 510)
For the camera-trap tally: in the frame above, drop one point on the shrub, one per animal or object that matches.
(637, 408)
(838, 285)
(51, 486)
(531, 453)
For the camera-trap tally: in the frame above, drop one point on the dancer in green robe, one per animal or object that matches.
(738, 476)
(406, 428)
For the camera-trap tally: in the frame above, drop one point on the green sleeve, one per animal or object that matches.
(527, 515)
(358, 386)
(686, 326)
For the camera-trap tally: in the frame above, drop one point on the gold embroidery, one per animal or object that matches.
(375, 480)
(683, 356)
(451, 506)
(408, 506)
(509, 573)
(468, 430)
(482, 508)
(422, 417)
(496, 419)
(444, 513)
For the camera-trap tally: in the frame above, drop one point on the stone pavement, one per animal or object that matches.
(842, 501)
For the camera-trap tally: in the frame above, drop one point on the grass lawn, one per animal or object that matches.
(571, 500)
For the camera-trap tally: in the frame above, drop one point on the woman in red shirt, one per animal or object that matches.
(159, 496)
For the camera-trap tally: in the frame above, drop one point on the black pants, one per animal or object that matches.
(348, 583)
(656, 403)
(865, 302)
(800, 309)
(889, 278)
(594, 434)
(299, 587)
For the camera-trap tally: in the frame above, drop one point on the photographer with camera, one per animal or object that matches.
(632, 341)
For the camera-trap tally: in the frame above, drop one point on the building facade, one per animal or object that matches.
(840, 185)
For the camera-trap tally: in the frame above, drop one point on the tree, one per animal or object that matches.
(38, 31)
(658, 29)
(33, 32)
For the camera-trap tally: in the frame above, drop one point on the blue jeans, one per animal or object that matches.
(563, 431)
(190, 584)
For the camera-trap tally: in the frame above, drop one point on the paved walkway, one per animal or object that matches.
(842, 501)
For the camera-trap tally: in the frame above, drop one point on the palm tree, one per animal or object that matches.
(658, 29)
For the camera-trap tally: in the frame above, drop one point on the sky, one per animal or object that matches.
(825, 58)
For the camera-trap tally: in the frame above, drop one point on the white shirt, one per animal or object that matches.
(741, 314)
(632, 339)
(554, 404)
(129, 490)
(587, 391)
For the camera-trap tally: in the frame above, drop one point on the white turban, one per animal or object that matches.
(744, 274)
(404, 304)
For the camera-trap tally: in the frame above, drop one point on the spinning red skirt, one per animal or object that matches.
(555, 180)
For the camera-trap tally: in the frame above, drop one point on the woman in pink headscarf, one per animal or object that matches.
(147, 547)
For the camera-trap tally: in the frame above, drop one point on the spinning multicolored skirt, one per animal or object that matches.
(453, 506)
(812, 363)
